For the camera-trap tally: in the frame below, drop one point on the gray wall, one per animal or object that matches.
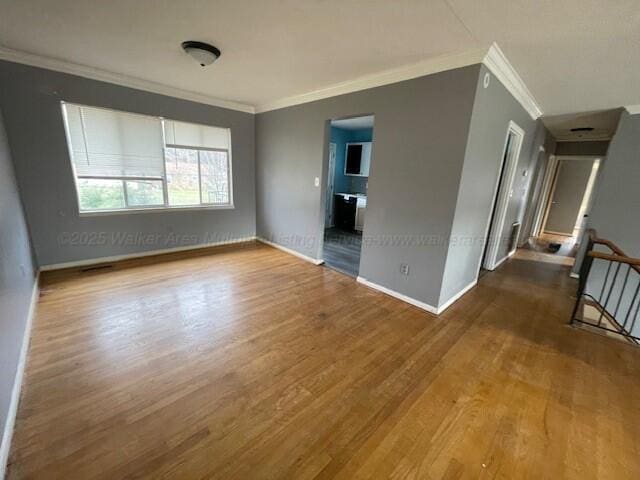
(16, 277)
(615, 209)
(582, 148)
(30, 98)
(617, 197)
(421, 127)
(537, 181)
(493, 108)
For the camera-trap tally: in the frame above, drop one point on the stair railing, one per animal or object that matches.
(609, 285)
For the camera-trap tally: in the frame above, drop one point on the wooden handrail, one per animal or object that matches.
(618, 256)
(615, 258)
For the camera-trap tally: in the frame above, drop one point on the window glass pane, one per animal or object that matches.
(182, 176)
(144, 193)
(214, 170)
(100, 194)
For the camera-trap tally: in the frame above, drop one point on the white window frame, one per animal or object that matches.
(203, 149)
(165, 190)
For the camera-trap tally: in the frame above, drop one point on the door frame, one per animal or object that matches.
(541, 208)
(558, 163)
(324, 178)
(503, 192)
(329, 204)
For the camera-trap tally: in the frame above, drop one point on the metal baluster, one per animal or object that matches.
(604, 305)
(633, 300)
(604, 284)
(633, 323)
(624, 285)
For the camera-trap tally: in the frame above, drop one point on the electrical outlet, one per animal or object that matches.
(404, 269)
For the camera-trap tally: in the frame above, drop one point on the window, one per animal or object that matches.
(125, 161)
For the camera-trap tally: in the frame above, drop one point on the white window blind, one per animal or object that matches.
(108, 143)
(127, 161)
(196, 136)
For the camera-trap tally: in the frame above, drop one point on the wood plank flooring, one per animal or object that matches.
(252, 364)
(341, 251)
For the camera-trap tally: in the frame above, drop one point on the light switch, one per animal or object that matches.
(316, 182)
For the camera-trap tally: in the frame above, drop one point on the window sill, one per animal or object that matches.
(99, 213)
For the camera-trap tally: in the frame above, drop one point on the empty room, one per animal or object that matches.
(298, 239)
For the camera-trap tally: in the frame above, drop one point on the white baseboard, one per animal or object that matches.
(290, 251)
(116, 258)
(399, 296)
(7, 434)
(451, 301)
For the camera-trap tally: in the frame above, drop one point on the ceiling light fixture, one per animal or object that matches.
(582, 129)
(203, 53)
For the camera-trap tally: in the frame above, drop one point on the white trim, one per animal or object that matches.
(456, 297)
(547, 183)
(504, 259)
(605, 138)
(503, 194)
(64, 66)
(399, 296)
(497, 62)
(290, 251)
(7, 435)
(633, 109)
(117, 258)
(493, 58)
(386, 77)
(124, 211)
(574, 275)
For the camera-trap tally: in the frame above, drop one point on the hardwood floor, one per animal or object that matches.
(251, 364)
(341, 250)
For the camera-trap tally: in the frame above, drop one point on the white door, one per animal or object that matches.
(568, 195)
(328, 218)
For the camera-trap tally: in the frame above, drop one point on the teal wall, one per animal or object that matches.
(345, 183)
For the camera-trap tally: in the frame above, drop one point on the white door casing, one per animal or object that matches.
(510, 156)
(330, 186)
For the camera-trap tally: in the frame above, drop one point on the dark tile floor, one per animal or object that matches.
(342, 250)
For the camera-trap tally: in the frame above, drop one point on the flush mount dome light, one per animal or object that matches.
(203, 53)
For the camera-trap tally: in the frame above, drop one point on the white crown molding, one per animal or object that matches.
(494, 59)
(25, 58)
(633, 109)
(386, 77)
(497, 62)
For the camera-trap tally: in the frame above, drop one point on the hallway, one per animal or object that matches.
(251, 363)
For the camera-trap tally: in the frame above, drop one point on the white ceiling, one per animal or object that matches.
(355, 123)
(604, 124)
(574, 55)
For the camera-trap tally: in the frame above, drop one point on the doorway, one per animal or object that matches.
(499, 246)
(570, 196)
(350, 150)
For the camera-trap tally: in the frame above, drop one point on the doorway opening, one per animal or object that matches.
(569, 199)
(502, 239)
(350, 148)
